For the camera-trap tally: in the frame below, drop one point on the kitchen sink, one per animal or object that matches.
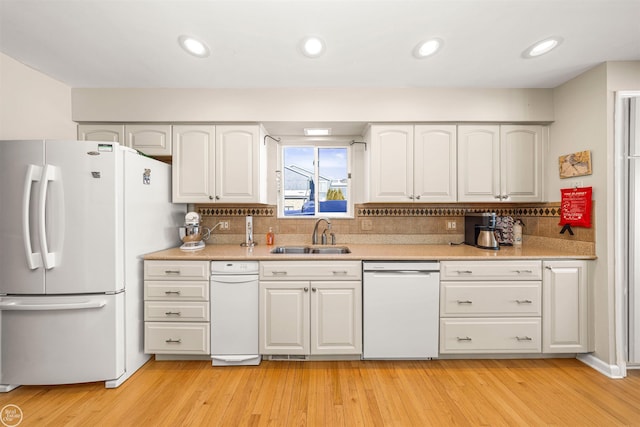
(311, 250)
(291, 250)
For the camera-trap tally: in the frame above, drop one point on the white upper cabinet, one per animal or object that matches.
(391, 163)
(101, 132)
(151, 139)
(500, 163)
(193, 160)
(218, 164)
(412, 163)
(435, 160)
(521, 163)
(240, 167)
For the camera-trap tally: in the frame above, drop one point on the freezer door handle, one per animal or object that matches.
(34, 174)
(50, 173)
(13, 305)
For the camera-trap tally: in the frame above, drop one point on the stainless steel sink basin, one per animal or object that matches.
(291, 250)
(311, 250)
(331, 250)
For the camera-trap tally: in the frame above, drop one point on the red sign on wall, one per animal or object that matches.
(575, 207)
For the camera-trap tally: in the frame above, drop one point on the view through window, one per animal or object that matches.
(315, 181)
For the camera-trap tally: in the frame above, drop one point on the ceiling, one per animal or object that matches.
(254, 44)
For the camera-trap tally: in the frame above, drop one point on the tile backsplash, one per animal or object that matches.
(398, 224)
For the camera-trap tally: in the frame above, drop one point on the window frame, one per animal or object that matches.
(316, 144)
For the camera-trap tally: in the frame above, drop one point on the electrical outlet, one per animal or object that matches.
(224, 225)
(451, 225)
(578, 184)
(366, 225)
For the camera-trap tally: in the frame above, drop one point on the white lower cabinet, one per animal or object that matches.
(565, 307)
(176, 307)
(490, 307)
(310, 308)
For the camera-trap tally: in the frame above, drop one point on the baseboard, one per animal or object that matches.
(611, 371)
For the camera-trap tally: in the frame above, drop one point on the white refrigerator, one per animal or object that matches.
(632, 126)
(76, 218)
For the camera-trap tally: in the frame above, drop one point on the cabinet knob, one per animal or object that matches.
(210, 197)
(411, 197)
(418, 197)
(306, 289)
(314, 289)
(217, 197)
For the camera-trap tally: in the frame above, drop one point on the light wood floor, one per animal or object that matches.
(366, 393)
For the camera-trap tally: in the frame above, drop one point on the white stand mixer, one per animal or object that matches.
(191, 233)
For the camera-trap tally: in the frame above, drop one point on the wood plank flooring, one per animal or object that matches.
(561, 392)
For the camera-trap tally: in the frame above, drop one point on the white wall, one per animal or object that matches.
(584, 121)
(33, 105)
(329, 105)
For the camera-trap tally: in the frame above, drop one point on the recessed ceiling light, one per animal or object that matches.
(542, 47)
(193, 46)
(427, 48)
(317, 131)
(312, 46)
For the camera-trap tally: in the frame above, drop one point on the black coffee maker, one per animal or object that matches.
(480, 230)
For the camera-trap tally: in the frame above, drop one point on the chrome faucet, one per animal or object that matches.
(314, 237)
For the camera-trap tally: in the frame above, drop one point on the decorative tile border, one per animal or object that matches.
(546, 210)
(235, 211)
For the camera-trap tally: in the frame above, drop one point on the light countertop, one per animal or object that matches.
(369, 252)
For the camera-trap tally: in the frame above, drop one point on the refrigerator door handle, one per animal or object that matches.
(13, 305)
(34, 259)
(49, 173)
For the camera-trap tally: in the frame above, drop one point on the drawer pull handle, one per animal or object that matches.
(464, 272)
(463, 338)
(524, 271)
(172, 272)
(340, 273)
(173, 313)
(524, 301)
(465, 301)
(279, 273)
(525, 338)
(172, 292)
(548, 267)
(170, 340)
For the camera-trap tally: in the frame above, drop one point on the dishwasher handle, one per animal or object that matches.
(415, 272)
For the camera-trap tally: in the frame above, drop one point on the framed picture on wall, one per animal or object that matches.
(575, 164)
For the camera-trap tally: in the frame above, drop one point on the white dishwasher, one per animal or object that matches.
(234, 313)
(400, 308)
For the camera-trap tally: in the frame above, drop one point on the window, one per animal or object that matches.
(315, 181)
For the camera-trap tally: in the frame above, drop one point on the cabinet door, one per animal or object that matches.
(336, 318)
(239, 164)
(193, 160)
(152, 140)
(284, 318)
(391, 166)
(521, 161)
(101, 132)
(479, 163)
(435, 161)
(565, 307)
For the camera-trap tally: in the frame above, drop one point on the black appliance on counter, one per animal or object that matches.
(480, 230)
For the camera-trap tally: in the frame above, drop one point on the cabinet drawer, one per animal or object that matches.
(490, 335)
(311, 270)
(176, 270)
(176, 290)
(176, 338)
(491, 270)
(176, 311)
(490, 298)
